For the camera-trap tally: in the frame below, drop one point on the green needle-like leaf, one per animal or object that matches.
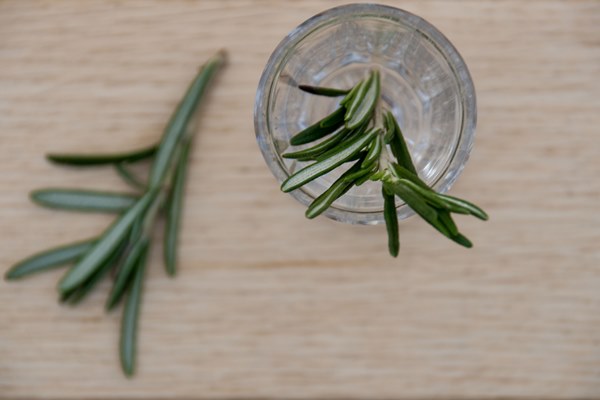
(463, 207)
(129, 177)
(176, 128)
(83, 200)
(391, 222)
(322, 167)
(320, 148)
(174, 206)
(378, 175)
(352, 135)
(86, 287)
(102, 159)
(389, 130)
(374, 152)
(129, 323)
(401, 172)
(316, 131)
(322, 203)
(136, 256)
(335, 191)
(446, 219)
(350, 96)
(452, 231)
(323, 91)
(356, 116)
(105, 246)
(367, 176)
(351, 176)
(398, 144)
(357, 97)
(428, 194)
(49, 259)
(334, 119)
(463, 240)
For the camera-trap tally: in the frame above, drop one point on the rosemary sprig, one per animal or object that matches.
(360, 129)
(124, 246)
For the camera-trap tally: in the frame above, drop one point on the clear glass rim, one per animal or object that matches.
(443, 45)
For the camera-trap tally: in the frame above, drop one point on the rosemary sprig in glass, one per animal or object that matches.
(123, 248)
(363, 133)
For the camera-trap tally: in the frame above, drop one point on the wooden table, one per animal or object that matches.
(268, 304)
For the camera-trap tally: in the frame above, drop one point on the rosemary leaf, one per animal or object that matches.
(49, 259)
(323, 91)
(316, 131)
(86, 287)
(350, 96)
(403, 173)
(102, 159)
(463, 240)
(320, 148)
(174, 206)
(428, 194)
(398, 145)
(322, 203)
(391, 222)
(363, 111)
(352, 135)
(136, 256)
(359, 156)
(133, 237)
(359, 181)
(452, 232)
(357, 176)
(108, 242)
(335, 191)
(461, 206)
(378, 175)
(130, 319)
(322, 167)
(446, 219)
(358, 97)
(389, 130)
(334, 119)
(83, 200)
(374, 152)
(128, 176)
(176, 128)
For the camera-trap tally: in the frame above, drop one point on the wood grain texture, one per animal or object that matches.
(268, 304)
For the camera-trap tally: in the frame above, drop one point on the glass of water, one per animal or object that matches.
(424, 82)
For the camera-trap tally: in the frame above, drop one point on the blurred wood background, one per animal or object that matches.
(268, 304)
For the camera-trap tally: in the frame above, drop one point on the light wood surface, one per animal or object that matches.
(268, 304)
